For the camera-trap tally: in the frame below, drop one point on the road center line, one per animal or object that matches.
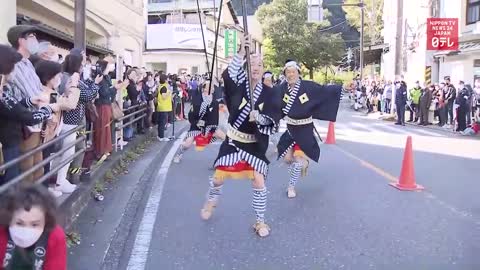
(394, 179)
(139, 256)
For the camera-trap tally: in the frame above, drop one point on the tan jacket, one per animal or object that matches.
(69, 100)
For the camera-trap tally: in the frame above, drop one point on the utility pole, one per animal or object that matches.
(362, 36)
(361, 5)
(398, 39)
(79, 35)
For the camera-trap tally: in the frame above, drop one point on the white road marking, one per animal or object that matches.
(139, 256)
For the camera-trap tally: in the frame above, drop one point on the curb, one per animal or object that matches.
(431, 127)
(73, 205)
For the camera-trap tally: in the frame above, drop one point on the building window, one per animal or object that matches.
(473, 11)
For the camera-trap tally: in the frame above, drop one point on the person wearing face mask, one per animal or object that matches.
(461, 102)
(26, 84)
(414, 96)
(387, 94)
(203, 117)
(73, 116)
(424, 104)
(400, 101)
(106, 96)
(30, 237)
(442, 105)
(45, 52)
(50, 75)
(242, 154)
(149, 87)
(15, 114)
(476, 100)
(450, 96)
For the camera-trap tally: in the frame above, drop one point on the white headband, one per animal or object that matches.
(291, 64)
(267, 75)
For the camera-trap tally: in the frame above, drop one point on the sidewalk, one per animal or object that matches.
(392, 118)
(72, 205)
(104, 226)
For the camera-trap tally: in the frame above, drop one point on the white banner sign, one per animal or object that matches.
(174, 36)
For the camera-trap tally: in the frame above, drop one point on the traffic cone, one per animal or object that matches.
(406, 181)
(331, 134)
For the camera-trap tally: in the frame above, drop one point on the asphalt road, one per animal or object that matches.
(345, 216)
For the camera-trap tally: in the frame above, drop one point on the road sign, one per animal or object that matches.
(231, 46)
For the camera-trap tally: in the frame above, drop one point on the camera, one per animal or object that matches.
(53, 98)
(97, 70)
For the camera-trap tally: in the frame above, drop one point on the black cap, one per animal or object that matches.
(8, 58)
(15, 32)
(447, 78)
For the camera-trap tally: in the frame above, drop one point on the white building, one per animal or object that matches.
(463, 64)
(416, 61)
(432, 66)
(174, 42)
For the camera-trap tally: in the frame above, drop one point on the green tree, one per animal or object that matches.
(284, 23)
(373, 23)
(270, 57)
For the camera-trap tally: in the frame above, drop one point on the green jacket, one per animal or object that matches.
(415, 94)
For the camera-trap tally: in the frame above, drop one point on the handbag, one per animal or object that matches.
(117, 112)
(92, 113)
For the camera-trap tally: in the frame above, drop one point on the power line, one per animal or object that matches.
(331, 27)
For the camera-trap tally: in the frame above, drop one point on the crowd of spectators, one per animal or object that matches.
(44, 97)
(454, 107)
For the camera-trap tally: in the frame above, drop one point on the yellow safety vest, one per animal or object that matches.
(164, 105)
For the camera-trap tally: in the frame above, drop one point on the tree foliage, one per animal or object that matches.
(373, 23)
(289, 36)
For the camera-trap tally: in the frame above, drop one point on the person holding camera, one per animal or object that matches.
(50, 74)
(16, 114)
(102, 140)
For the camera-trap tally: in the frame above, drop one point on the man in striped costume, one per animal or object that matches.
(301, 102)
(203, 118)
(242, 154)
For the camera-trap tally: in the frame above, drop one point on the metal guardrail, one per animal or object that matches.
(44, 162)
(142, 109)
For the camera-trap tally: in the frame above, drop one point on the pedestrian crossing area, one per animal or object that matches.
(377, 129)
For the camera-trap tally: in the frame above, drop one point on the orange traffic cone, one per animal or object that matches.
(407, 175)
(331, 134)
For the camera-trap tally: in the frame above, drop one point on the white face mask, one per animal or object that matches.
(461, 86)
(54, 58)
(87, 72)
(32, 45)
(111, 67)
(24, 237)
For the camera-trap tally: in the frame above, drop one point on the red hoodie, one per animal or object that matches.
(56, 258)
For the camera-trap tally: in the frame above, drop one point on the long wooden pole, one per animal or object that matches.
(215, 46)
(247, 52)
